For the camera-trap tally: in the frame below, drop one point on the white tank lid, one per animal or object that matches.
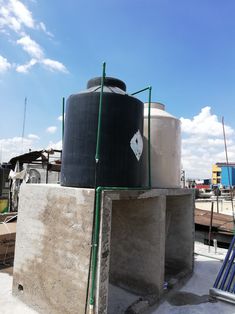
(155, 105)
(157, 110)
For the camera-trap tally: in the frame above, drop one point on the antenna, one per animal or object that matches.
(229, 180)
(24, 118)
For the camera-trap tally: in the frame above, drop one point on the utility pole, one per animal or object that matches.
(24, 119)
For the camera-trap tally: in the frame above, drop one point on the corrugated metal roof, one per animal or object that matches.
(224, 164)
(28, 158)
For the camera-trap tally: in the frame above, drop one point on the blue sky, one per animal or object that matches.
(184, 49)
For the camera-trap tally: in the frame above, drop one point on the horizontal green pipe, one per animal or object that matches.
(121, 188)
(141, 90)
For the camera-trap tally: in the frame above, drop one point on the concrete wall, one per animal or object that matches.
(179, 235)
(53, 248)
(102, 291)
(138, 244)
(7, 242)
(141, 232)
(152, 240)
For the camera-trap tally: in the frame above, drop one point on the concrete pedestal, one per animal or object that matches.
(146, 239)
(52, 253)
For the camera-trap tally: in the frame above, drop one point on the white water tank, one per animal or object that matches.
(165, 147)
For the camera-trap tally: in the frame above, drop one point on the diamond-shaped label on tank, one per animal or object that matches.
(136, 144)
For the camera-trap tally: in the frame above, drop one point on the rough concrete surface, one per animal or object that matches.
(224, 206)
(179, 235)
(147, 234)
(8, 303)
(53, 248)
(205, 272)
(7, 242)
(138, 245)
(141, 235)
(193, 296)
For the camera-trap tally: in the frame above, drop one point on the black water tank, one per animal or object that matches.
(121, 137)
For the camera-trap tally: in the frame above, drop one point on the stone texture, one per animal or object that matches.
(7, 242)
(53, 248)
(104, 256)
(179, 235)
(138, 244)
(152, 240)
(141, 236)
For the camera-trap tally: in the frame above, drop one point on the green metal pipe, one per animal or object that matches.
(149, 146)
(97, 153)
(95, 235)
(99, 189)
(63, 120)
(140, 91)
(95, 243)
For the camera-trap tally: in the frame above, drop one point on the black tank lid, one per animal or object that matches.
(109, 81)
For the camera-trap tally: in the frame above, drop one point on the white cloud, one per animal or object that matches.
(21, 12)
(57, 145)
(36, 52)
(33, 136)
(60, 118)
(4, 64)
(54, 65)
(204, 124)
(42, 26)
(203, 144)
(31, 47)
(24, 68)
(16, 17)
(51, 129)
(11, 147)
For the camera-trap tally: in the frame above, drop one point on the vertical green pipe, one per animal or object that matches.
(62, 121)
(99, 189)
(97, 153)
(149, 140)
(95, 245)
(97, 197)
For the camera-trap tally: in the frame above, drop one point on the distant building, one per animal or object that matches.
(216, 174)
(223, 174)
(203, 184)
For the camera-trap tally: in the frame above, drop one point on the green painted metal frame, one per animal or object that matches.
(99, 189)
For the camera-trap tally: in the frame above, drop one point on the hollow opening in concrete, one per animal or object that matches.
(20, 288)
(151, 248)
(178, 242)
(135, 252)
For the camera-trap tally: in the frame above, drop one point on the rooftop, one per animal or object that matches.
(224, 164)
(191, 298)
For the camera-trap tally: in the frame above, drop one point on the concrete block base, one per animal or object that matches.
(53, 248)
(146, 242)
